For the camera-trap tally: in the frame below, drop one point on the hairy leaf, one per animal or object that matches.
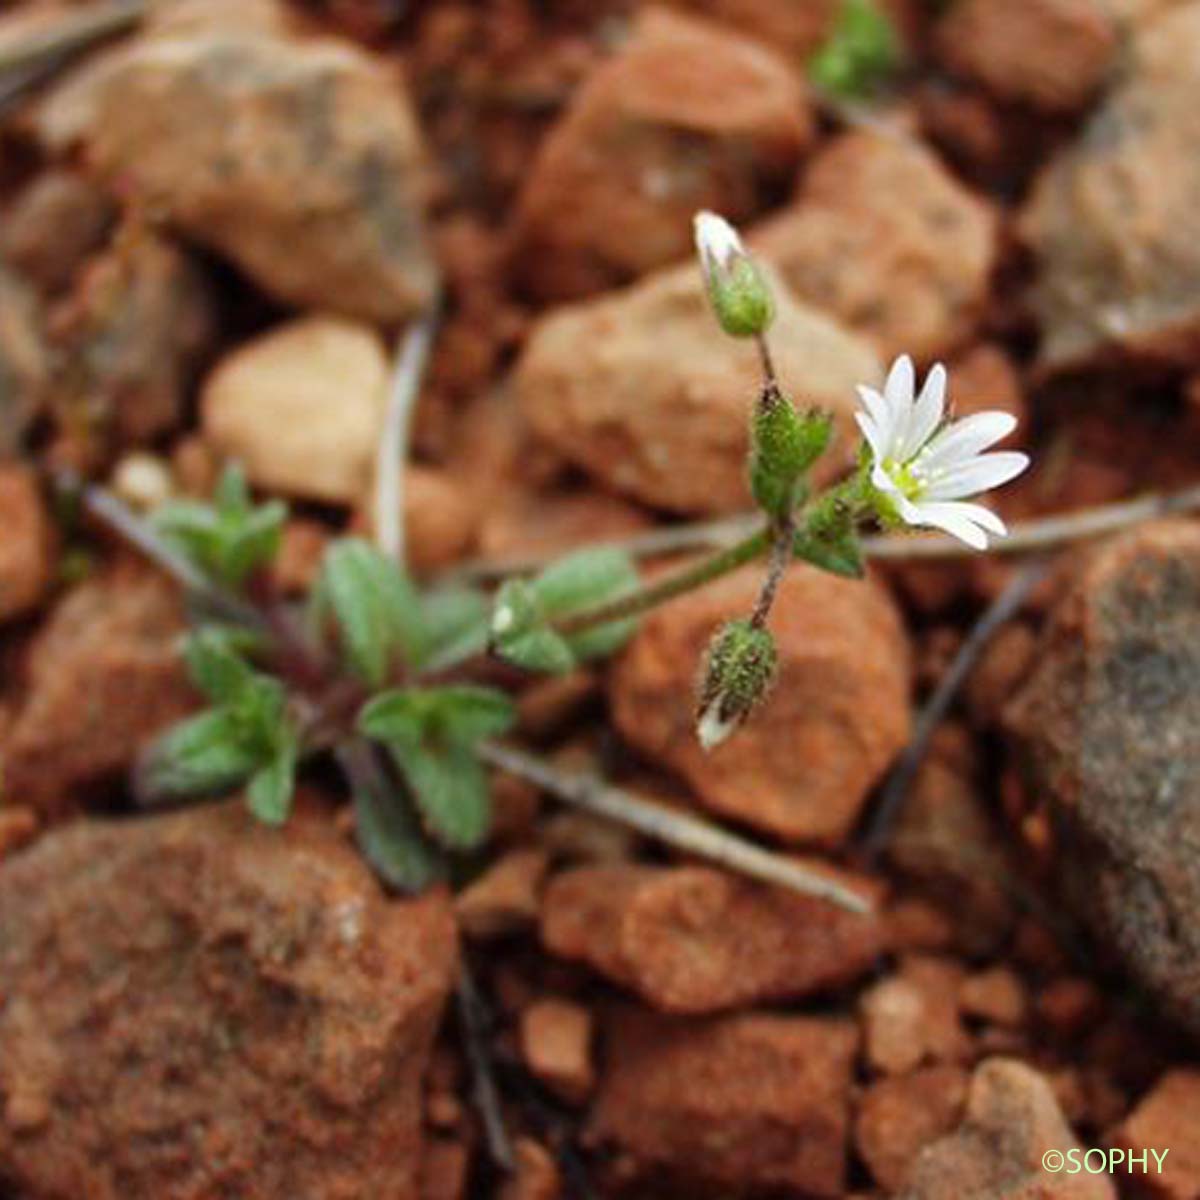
(451, 790)
(203, 755)
(272, 787)
(390, 836)
(377, 609)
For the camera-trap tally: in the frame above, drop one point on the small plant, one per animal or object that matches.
(379, 673)
(862, 52)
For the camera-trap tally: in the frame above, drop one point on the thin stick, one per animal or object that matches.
(1046, 532)
(676, 829)
(392, 454)
(697, 535)
(473, 1019)
(1042, 533)
(39, 48)
(998, 613)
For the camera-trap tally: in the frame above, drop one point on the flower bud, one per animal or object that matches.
(741, 664)
(784, 444)
(736, 288)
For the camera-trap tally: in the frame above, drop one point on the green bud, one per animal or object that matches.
(736, 287)
(741, 665)
(783, 446)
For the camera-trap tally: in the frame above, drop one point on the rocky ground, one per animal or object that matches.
(213, 228)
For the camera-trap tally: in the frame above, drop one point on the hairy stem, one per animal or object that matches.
(782, 536)
(685, 833)
(654, 594)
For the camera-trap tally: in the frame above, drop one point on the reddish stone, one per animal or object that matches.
(504, 898)
(130, 338)
(695, 939)
(104, 676)
(196, 1005)
(687, 116)
(1166, 1119)
(729, 1106)
(53, 225)
(642, 390)
(1052, 54)
(803, 764)
(27, 549)
(298, 158)
(556, 1044)
(899, 1116)
(536, 1177)
(996, 995)
(1012, 1119)
(912, 277)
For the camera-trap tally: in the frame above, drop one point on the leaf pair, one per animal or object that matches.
(524, 611)
(228, 539)
(246, 735)
(431, 735)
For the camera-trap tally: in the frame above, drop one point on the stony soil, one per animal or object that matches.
(211, 232)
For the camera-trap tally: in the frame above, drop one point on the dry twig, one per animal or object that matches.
(685, 833)
(1001, 610)
(392, 453)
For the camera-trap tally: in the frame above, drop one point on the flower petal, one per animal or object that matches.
(901, 383)
(717, 241)
(975, 513)
(975, 475)
(963, 439)
(926, 413)
(873, 402)
(958, 520)
(871, 432)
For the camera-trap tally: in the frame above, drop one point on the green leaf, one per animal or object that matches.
(540, 650)
(461, 714)
(585, 579)
(249, 541)
(451, 790)
(232, 493)
(838, 552)
(390, 837)
(400, 716)
(228, 539)
(260, 712)
(861, 52)
(524, 611)
(467, 714)
(456, 624)
(377, 609)
(272, 787)
(203, 755)
(214, 664)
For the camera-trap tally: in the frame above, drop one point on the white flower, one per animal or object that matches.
(717, 243)
(927, 467)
